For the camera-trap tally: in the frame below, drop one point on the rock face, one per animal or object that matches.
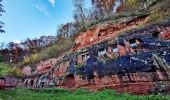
(2, 83)
(98, 34)
(10, 82)
(135, 62)
(27, 70)
(45, 66)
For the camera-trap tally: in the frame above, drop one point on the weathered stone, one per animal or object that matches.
(98, 34)
(2, 83)
(27, 70)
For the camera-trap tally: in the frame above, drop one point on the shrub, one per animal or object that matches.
(31, 60)
(6, 69)
(51, 52)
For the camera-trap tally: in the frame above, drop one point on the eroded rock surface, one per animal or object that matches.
(114, 56)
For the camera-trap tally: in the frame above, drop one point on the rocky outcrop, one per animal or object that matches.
(10, 82)
(100, 33)
(45, 66)
(2, 83)
(148, 54)
(133, 62)
(27, 70)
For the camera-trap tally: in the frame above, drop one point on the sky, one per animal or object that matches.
(34, 18)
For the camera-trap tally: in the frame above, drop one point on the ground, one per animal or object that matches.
(61, 94)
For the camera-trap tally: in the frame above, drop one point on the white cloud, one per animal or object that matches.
(43, 10)
(52, 2)
(16, 41)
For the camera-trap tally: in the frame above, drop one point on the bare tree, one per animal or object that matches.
(79, 14)
(103, 7)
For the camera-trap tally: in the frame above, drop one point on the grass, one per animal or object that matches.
(61, 94)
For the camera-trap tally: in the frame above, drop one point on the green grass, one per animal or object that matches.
(61, 94)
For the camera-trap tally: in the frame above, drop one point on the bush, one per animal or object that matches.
(51, 52)
(31, 60)
(6, 69)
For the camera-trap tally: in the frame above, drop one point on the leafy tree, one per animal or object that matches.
(1, 11)
(15, 52)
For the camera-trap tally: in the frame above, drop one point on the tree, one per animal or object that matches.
(79, 14)
(1, 11)
(65, 30)
(103, 7)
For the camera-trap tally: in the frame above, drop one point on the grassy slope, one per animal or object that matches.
(60, 94)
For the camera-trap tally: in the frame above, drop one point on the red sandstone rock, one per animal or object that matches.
(11, 81)
(165, 36)
(27, 70)
(141, 83)
(2, 83)
(45, 66)
(61, 69)
(98, 34)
